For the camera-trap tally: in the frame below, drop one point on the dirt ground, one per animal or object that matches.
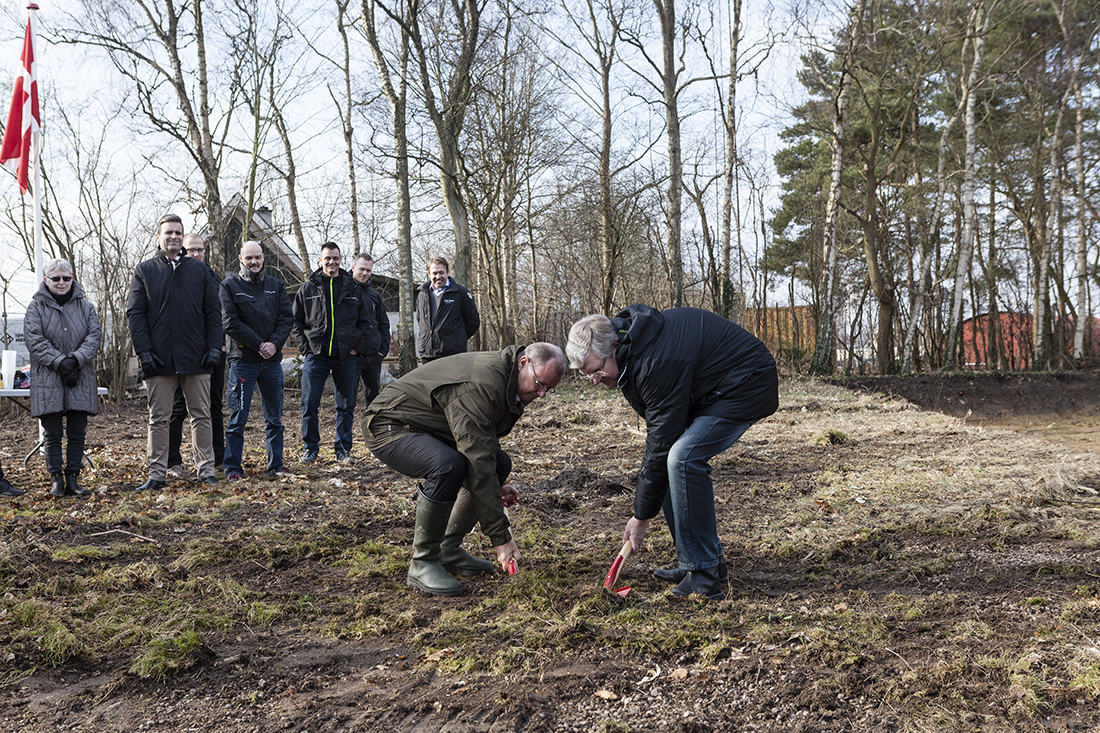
(934, 668)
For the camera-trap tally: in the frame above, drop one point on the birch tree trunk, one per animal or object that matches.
(979, 16)
(824, 360)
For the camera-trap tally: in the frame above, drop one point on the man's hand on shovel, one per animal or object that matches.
(508, 555)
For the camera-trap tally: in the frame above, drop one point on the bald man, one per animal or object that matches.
(257, 318)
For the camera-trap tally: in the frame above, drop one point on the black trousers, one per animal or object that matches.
(442, 468)
(217, 418)
(371, 374)
(72, 425)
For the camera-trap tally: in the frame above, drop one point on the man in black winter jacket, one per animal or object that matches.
(333, 323)
(175, 325)
(446, 314)
(257, 318)
(700, 381)
(370, 363)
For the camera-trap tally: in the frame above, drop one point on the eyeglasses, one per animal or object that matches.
(193, 250)
(596, 375)
(60, 278)
(547, 387)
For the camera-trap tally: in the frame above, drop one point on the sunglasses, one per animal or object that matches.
(60, 278)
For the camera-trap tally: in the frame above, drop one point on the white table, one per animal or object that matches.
(26, 393)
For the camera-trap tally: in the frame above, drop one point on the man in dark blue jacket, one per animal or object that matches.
(333, 323)
(175, 325)
(700, 381)
(257, 319)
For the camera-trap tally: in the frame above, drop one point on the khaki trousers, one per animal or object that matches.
(162, 393)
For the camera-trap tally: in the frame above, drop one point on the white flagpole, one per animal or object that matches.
(36, 143)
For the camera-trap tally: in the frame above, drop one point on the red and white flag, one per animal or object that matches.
(24, 118)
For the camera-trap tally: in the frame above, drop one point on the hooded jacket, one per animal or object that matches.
(468, 401)
(175, 313)
(680, 364)
(255, 309)
(53, 331)
(316, 329)
(456, 320)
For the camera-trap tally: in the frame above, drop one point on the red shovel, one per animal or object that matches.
(616, 568)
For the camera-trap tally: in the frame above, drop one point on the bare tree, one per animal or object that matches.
(149, 42)
(394, 79)
(446, 65)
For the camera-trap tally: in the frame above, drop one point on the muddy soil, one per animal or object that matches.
(302, 675)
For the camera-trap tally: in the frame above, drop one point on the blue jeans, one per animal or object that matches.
(689, 504)
(345, 378)
(241, 383)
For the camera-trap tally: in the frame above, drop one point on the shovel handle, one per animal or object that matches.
(617, 566)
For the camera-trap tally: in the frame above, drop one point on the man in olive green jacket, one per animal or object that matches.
(442, 423)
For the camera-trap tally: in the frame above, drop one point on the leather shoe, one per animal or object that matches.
(670, 575)
(704, 582)
(675, 575)
(152, 485)
(6, 489)
(57, 484)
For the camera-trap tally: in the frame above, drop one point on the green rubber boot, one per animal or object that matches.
(426, 572)
(456, 560)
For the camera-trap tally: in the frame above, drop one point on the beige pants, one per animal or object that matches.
(162, 393)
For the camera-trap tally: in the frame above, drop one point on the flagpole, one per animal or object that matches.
(36, 143)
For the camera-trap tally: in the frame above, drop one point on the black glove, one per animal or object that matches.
(213, 356)
(69, 370)
(150, 364)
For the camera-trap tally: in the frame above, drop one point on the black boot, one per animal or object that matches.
(72, 488)
(57, 487)
(704, 582)
(426, 570)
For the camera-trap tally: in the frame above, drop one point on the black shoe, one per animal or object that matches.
(57, 487)
(705, 582)
(670, 575)
(208, 480)
(152, 485)
(675, 575)
(72, 488)
(6, 489)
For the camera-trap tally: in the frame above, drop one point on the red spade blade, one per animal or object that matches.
(613, 573)
(621, 592)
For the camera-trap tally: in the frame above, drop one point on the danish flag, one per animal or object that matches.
(24, 118)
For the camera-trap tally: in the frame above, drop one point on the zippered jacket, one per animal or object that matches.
(175, 313)
(255, 309)
(680, 364)
(319, 329)
(456, 320)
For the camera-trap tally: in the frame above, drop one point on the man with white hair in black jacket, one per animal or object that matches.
(700, 381)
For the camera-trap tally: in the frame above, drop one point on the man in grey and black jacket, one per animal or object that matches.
(446, 314)
(175, 325)
(333, 323)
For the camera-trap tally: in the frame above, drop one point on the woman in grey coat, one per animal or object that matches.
(62, 333)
